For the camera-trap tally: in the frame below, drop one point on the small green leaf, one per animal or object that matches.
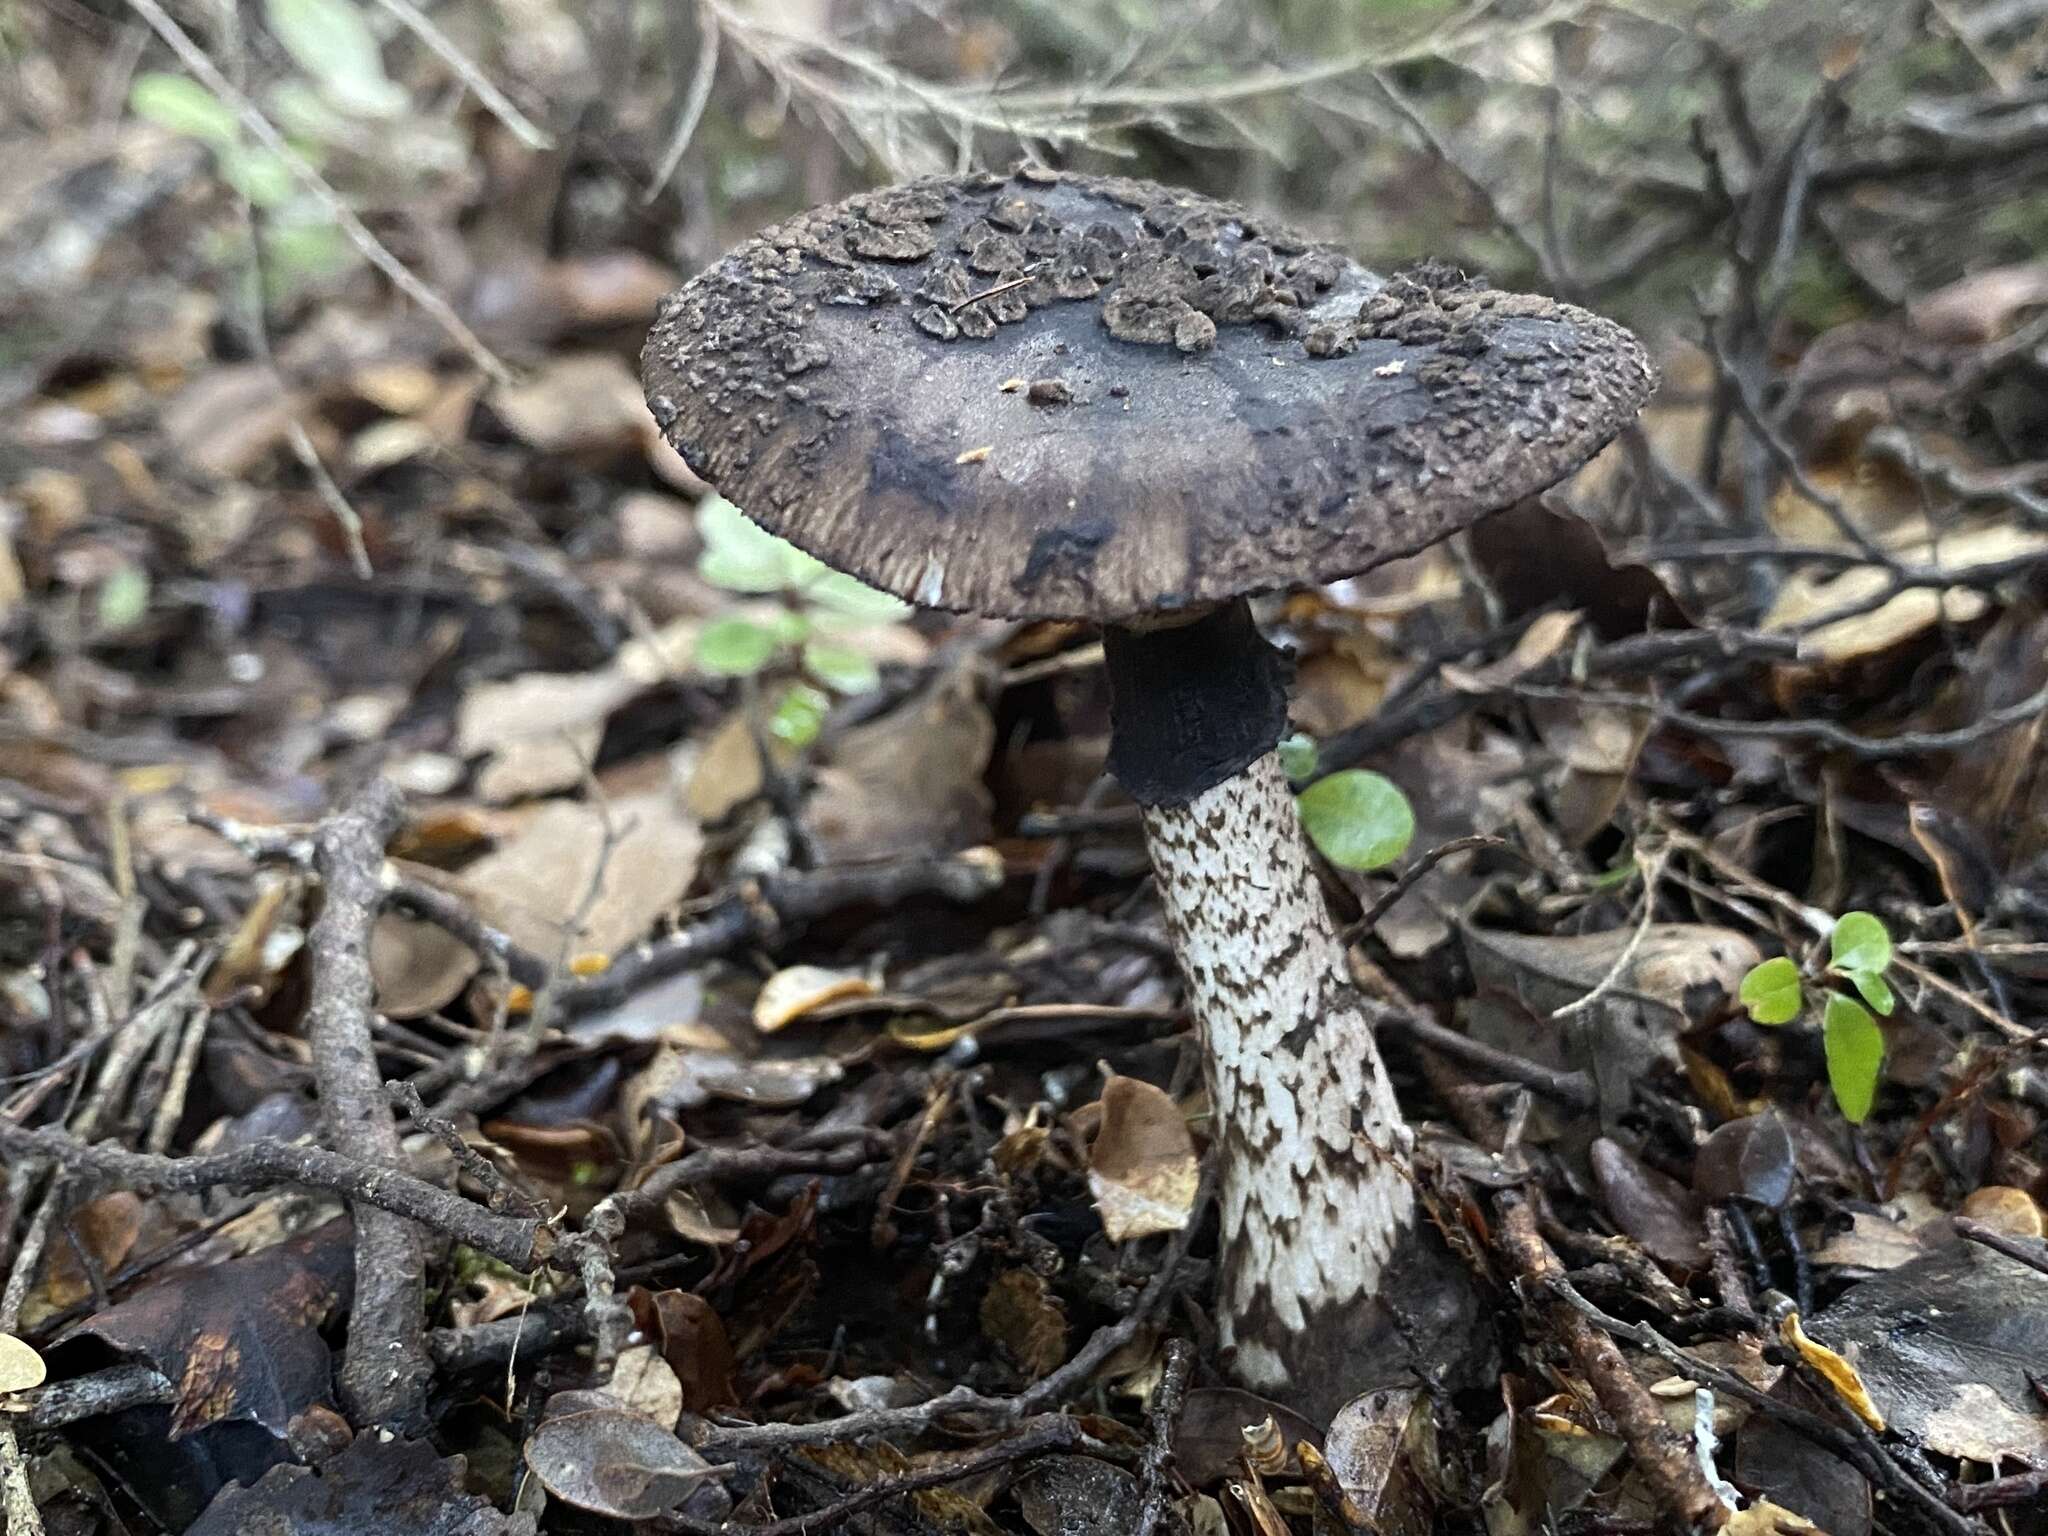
(739, 555)
(1298, 755)
(1855, 1051)
(852, 598)
(1359, 820)
(301, 253)
(736, 647)
(183, 106)
(799, 715)
(1771, 991)
(1859, 943)
(330, 40)
(1617, 877)
(1876, 991)
(123, 598)
(841, 668)
(258, 175)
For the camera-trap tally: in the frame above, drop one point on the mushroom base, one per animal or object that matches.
(1330, 1284)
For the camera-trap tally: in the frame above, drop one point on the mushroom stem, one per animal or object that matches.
(1330, 1284)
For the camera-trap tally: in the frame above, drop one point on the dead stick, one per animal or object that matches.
(519, 1241)
(385, 1368)
(1665, 1461)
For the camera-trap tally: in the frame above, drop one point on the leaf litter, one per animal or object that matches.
(794, 991)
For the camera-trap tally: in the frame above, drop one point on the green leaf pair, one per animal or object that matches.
(742, 557)
(1859, 951)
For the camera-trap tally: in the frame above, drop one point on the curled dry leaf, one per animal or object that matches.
(1381, 1447)
(1748, 1159)
(1834, 1370)
(1079, 1496)
(419, 967)
(1807, 599)
(1651, 1207)
(910, 782)
(1142, 1168)
(797, 990)
(582, 403)
(693, 1343)
(241, 1339)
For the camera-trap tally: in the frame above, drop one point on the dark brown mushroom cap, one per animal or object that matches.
(1062, 396)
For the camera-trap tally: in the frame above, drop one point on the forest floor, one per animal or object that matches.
(405, 761)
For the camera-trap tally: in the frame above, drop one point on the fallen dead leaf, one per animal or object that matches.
(1142, 1168)
(1020, 1313)
(797, 990)
(533, 887)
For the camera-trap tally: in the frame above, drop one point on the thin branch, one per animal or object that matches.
(493, 100)
(701, 81)
(521, 1242)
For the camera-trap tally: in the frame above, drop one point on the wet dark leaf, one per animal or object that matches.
(391, 1487)
(1080, 1496)
(242, 1338)
(1651, 1207)
(1747, 1159)
(1945, 1345)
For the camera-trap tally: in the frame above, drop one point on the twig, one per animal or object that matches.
(1405, 882)
(1665, 1461)
(494, 101)
(2034, 1257)
(1575, 1090)
(1037, 1398)
(701, 80)
(385, 1368)
(1866, 1456)
(1820, 733)
(754, 915)
(520, 1242)
(1155, 1465)
(1652, 864)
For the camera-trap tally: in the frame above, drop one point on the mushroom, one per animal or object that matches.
(1221, 407)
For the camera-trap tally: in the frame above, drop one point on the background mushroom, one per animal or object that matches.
(1200, 405)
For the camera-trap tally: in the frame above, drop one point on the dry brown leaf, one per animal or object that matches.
(1547, 635)
(588, 402)
(727, 773)
(533, 887)
(910, 782)
(103, 1231)
(1142, 1168)
(1763, 1518)
(1019, 1312)
(1808, 597)
(2010, 1210)
(229, 420)
(419, 967)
